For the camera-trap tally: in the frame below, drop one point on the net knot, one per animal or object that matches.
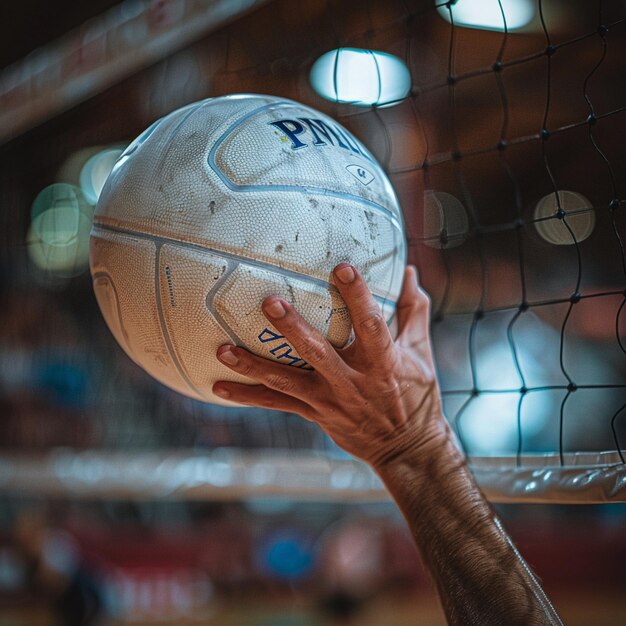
(523, 306)
(479, 314)
(545, 134)
(523, 389)
(592, 119)
(456, 155)
(502, 144)
(550, 50)
(574, 298)
(572, 387)
(451, 79)
(497, 66)
(614, 204)
(603, 30)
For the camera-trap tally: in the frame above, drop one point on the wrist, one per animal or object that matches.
(418, 447)
(424, 477)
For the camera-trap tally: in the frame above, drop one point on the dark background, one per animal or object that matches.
(81, 392)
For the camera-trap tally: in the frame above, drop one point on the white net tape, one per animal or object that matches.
(232, 474)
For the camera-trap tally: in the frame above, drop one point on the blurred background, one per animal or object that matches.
(123, 502)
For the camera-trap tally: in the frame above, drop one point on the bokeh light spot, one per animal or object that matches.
(577, 223)
(95, 172)
(445, 220)
(58, 238)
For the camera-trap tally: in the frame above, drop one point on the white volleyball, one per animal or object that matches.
(223, 203)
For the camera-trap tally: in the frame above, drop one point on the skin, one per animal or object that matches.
(379, 400)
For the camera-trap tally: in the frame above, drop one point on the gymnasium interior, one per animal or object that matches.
(501, 125)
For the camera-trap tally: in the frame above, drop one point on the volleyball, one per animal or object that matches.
(223, 203)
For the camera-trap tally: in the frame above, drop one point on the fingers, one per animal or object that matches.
(413, 311)
(262, 396)
(411, 299)
(282, 378)
(368, 321)
(311, 345)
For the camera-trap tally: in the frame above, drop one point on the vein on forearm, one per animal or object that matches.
(480, 576)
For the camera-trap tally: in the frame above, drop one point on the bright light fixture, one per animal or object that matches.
(487, 14)
(361, 77)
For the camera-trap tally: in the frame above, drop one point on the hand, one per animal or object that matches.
(375, 398)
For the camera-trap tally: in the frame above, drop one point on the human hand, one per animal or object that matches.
(376, 398)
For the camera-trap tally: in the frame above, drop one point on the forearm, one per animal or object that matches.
(480, 576)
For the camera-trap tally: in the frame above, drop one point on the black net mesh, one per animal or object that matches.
(508, 159)
(569, 279)
(504, 121)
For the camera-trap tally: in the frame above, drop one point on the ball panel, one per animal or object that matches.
(161, 174)
(273, 228)
(114, 254)
(108, 301)
(188, 279)
(258, 150)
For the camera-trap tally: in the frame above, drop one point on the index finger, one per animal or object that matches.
(310, 344)
(369, 324)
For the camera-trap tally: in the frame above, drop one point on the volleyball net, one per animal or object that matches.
(506, 150)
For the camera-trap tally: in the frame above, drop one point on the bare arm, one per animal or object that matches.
(480, 576)
(379, 400)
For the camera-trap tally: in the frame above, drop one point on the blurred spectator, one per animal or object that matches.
(56, 570)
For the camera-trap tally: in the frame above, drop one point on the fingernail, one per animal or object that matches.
(221, 392)
(415, 274)
(226, 355)
(345, 274)
(275, 309)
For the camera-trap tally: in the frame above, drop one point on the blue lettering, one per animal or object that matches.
(285, 354)
(323, 134)
(318, 126)
(283, 350)
(291, 128)
(267, 335)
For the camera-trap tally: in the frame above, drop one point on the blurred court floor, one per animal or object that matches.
(577, 608)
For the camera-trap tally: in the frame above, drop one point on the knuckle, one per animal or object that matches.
(389, 387)
(423, 300)
(313, 351)
(374, 325)
(281, 382)
(418, 309)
